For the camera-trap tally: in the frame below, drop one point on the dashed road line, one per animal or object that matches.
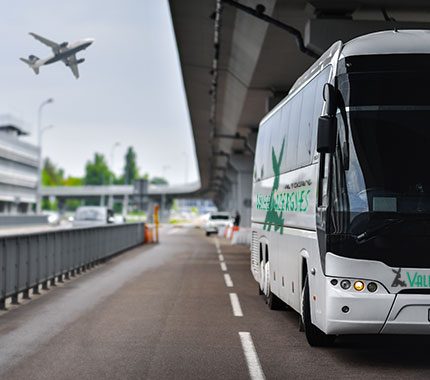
(218, 248)
(254, 366)
(252, 361)
(228, 281)
(235, 305)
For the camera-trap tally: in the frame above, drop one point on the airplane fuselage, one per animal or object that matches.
(66, 52)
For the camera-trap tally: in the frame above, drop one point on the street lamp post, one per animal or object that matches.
(40, 131)
(112, 152)
(163, 195)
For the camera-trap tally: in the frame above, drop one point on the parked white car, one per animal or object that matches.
(88, 216)
(216, 221)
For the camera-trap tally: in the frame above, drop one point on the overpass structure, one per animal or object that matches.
(240, 58)
(121, 192)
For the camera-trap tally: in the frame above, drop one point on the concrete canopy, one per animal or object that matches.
(259, 61)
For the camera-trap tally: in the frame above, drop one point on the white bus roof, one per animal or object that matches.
(385, 42)
(389, 42)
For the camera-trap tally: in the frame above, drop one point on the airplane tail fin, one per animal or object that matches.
(32, 59)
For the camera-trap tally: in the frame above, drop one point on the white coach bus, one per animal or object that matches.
(341, 192)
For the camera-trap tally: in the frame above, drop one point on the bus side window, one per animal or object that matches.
(293, 131)
(260, 154)
(277, 135)
(307, 126)
(284, 131)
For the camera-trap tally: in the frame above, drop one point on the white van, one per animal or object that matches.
(87, 216)
(216, 221)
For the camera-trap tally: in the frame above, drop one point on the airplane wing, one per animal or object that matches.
(53, 45)
(72, 62)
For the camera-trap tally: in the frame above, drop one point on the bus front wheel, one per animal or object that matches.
(314, 335)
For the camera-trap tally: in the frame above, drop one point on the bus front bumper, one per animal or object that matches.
(349, 313)
(383, 313)
(410, 314)
(386, 310)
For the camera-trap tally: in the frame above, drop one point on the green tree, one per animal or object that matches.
(97, 171)
(73, 181)
(51, 174)
(131, 171)
(72, 204)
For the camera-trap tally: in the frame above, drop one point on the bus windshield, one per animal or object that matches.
(389, 161)
(381, 179)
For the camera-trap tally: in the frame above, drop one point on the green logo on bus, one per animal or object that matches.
(415, 279)
(294, 199)
(272, 217)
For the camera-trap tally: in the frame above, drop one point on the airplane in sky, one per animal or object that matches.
(62, 52)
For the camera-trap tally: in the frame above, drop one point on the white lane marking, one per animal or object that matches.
(221, 257)
(235, 304)
(223, 266)
(228, 281)
(217, 244)
(254, 366)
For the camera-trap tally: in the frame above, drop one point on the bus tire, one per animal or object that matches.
(314, 336)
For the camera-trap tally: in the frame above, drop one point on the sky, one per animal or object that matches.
(130, 88)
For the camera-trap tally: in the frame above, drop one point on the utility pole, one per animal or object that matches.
(39, 166)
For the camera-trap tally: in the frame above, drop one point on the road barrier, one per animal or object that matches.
(30, 260)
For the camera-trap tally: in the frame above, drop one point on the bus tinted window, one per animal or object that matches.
(273, 142)
(293, 131)
(285, 124)
(307, 123)
(260, 154)
(296, 122)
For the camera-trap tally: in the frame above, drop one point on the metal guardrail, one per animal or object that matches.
(30, 260)
(23, 220)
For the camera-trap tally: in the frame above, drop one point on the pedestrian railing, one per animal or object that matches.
(30, 260)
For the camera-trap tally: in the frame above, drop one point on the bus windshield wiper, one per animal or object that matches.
(371, 233)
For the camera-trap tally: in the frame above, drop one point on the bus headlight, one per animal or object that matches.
(359, 286)
(372, 287)
(345, 284)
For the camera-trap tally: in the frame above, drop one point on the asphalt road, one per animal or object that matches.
(166, 312)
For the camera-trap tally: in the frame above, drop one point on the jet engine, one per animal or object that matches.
(80, 61)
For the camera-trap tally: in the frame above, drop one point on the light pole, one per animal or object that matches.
(40, 131)
(112, 152)
(163, 195)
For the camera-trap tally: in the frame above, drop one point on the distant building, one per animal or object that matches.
(203, 206)
(18, 168)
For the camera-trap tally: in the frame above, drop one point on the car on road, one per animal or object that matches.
(88, 216)
(216, 221)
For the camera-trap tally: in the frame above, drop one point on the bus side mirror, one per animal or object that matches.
(330, 97)
(327, 132)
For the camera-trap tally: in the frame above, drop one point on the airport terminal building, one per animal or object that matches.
(18, 168)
